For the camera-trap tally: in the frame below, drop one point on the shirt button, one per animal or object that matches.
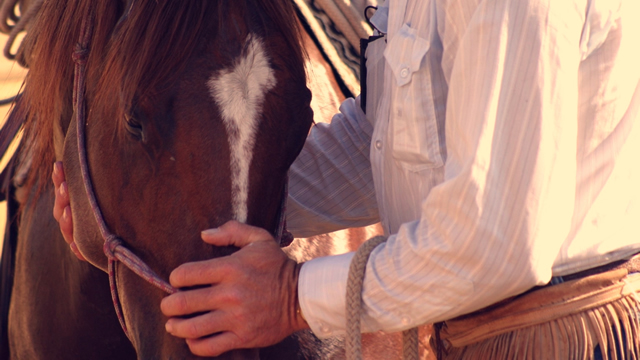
(378, 144)
(404, 72)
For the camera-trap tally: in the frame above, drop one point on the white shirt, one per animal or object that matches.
(500, 147)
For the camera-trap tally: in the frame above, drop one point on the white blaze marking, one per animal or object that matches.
(239, 92)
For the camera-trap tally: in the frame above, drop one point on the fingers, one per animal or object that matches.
(62, 208)
(234, 233)
(214, 345)
(199, 273)
(189, 302)
(249, 301)
(197, 326)
(61, 200)
(198, 330)
(66, 228)
(76, 252)
(58, 174)
(206, 334)
(66, 225)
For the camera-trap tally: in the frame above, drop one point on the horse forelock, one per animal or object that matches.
(134, 56)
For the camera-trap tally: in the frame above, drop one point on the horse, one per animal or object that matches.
(83, 318)
(194, 112)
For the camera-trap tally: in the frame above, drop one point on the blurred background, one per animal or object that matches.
(11, 76)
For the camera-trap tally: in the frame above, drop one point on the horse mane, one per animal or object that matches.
(133, 44)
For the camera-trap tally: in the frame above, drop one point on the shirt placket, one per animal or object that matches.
(379, 148)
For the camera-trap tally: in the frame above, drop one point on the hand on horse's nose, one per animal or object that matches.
(62, 208)
(246, 300)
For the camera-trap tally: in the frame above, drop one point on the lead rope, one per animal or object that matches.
(355, 281)
(113, 248)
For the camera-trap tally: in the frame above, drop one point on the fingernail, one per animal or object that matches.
(168, 327)
(212, 231)
(66, 213)
(63, 189)
(55, 168)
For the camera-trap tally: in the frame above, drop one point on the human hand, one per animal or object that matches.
(248, 299)
(62, 208)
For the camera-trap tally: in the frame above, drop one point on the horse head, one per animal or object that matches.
(194, 112)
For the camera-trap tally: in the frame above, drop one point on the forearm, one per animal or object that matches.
(331, 186)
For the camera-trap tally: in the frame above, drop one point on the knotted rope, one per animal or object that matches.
(354, 306)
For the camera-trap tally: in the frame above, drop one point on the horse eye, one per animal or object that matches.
(134, 128)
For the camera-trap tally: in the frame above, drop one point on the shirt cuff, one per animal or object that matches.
(322, 289)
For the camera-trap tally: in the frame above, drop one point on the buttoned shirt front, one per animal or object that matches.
(500, 147)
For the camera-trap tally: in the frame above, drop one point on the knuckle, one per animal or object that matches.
(262, 233)
(242, 338)
(182, 304)
(242, 318)
(193, 329)
(202, 272)
(231, 296)
(65, 223)
(173, 305)
(227, 269)
(231, 225)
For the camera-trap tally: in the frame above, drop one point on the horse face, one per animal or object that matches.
(210, 144)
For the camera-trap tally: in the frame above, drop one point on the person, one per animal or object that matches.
(499, 151)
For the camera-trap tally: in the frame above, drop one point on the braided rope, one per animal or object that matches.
(410, 349)
(353, 343)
